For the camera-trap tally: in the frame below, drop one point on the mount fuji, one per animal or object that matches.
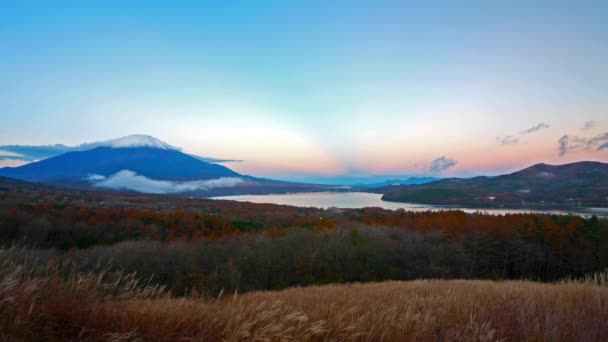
(142, 163)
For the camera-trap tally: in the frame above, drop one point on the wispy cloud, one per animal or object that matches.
(568, 143)
(507, 140)
(95, 177)
(5, 153)
(33, 153)
(129, 180)
(536, 128)
(215, 160)
(563, 145)
(8, 162)
(441, 164)
(589, 125)
(598, 140)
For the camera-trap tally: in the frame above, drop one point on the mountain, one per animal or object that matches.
(137, 162)
(560, 186)
(105, 161)
(131, 141)
(145, 164)
(37, 153)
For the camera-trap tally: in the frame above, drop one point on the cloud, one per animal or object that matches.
(598, 140)
(569, 143)
(507, 140)
(94, 177)
(536, 128)
(441, 164)
(8, 162)
(215, 160)
(33, 153)
(5, 153)
(545, 174)
(589, 125)
(129, 180)
(563, 142)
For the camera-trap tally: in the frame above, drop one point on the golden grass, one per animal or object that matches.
(51, 302)
(390, 311)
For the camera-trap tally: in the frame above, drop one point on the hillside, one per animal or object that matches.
(558, 186)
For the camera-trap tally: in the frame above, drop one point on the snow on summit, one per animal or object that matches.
(135, 140)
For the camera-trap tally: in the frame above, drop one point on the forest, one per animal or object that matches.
(109, 266)
(212, 246)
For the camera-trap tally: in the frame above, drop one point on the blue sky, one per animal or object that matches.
(301, 89)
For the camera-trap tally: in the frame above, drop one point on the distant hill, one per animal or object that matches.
(407, 181)
(569, 185)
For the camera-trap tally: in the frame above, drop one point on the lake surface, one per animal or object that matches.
(365, 199)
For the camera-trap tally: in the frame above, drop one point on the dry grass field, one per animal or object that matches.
(53, 302)
(389, 311)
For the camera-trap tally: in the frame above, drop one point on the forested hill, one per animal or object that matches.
(582, 184)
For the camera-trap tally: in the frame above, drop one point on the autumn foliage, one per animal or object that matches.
(107, 266)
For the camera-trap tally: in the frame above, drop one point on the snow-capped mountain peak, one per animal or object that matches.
(130, 141)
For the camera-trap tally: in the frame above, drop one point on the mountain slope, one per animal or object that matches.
(568, 185)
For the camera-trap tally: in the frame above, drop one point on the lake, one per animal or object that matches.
(366, 199)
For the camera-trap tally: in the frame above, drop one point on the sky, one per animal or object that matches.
(306, 90)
